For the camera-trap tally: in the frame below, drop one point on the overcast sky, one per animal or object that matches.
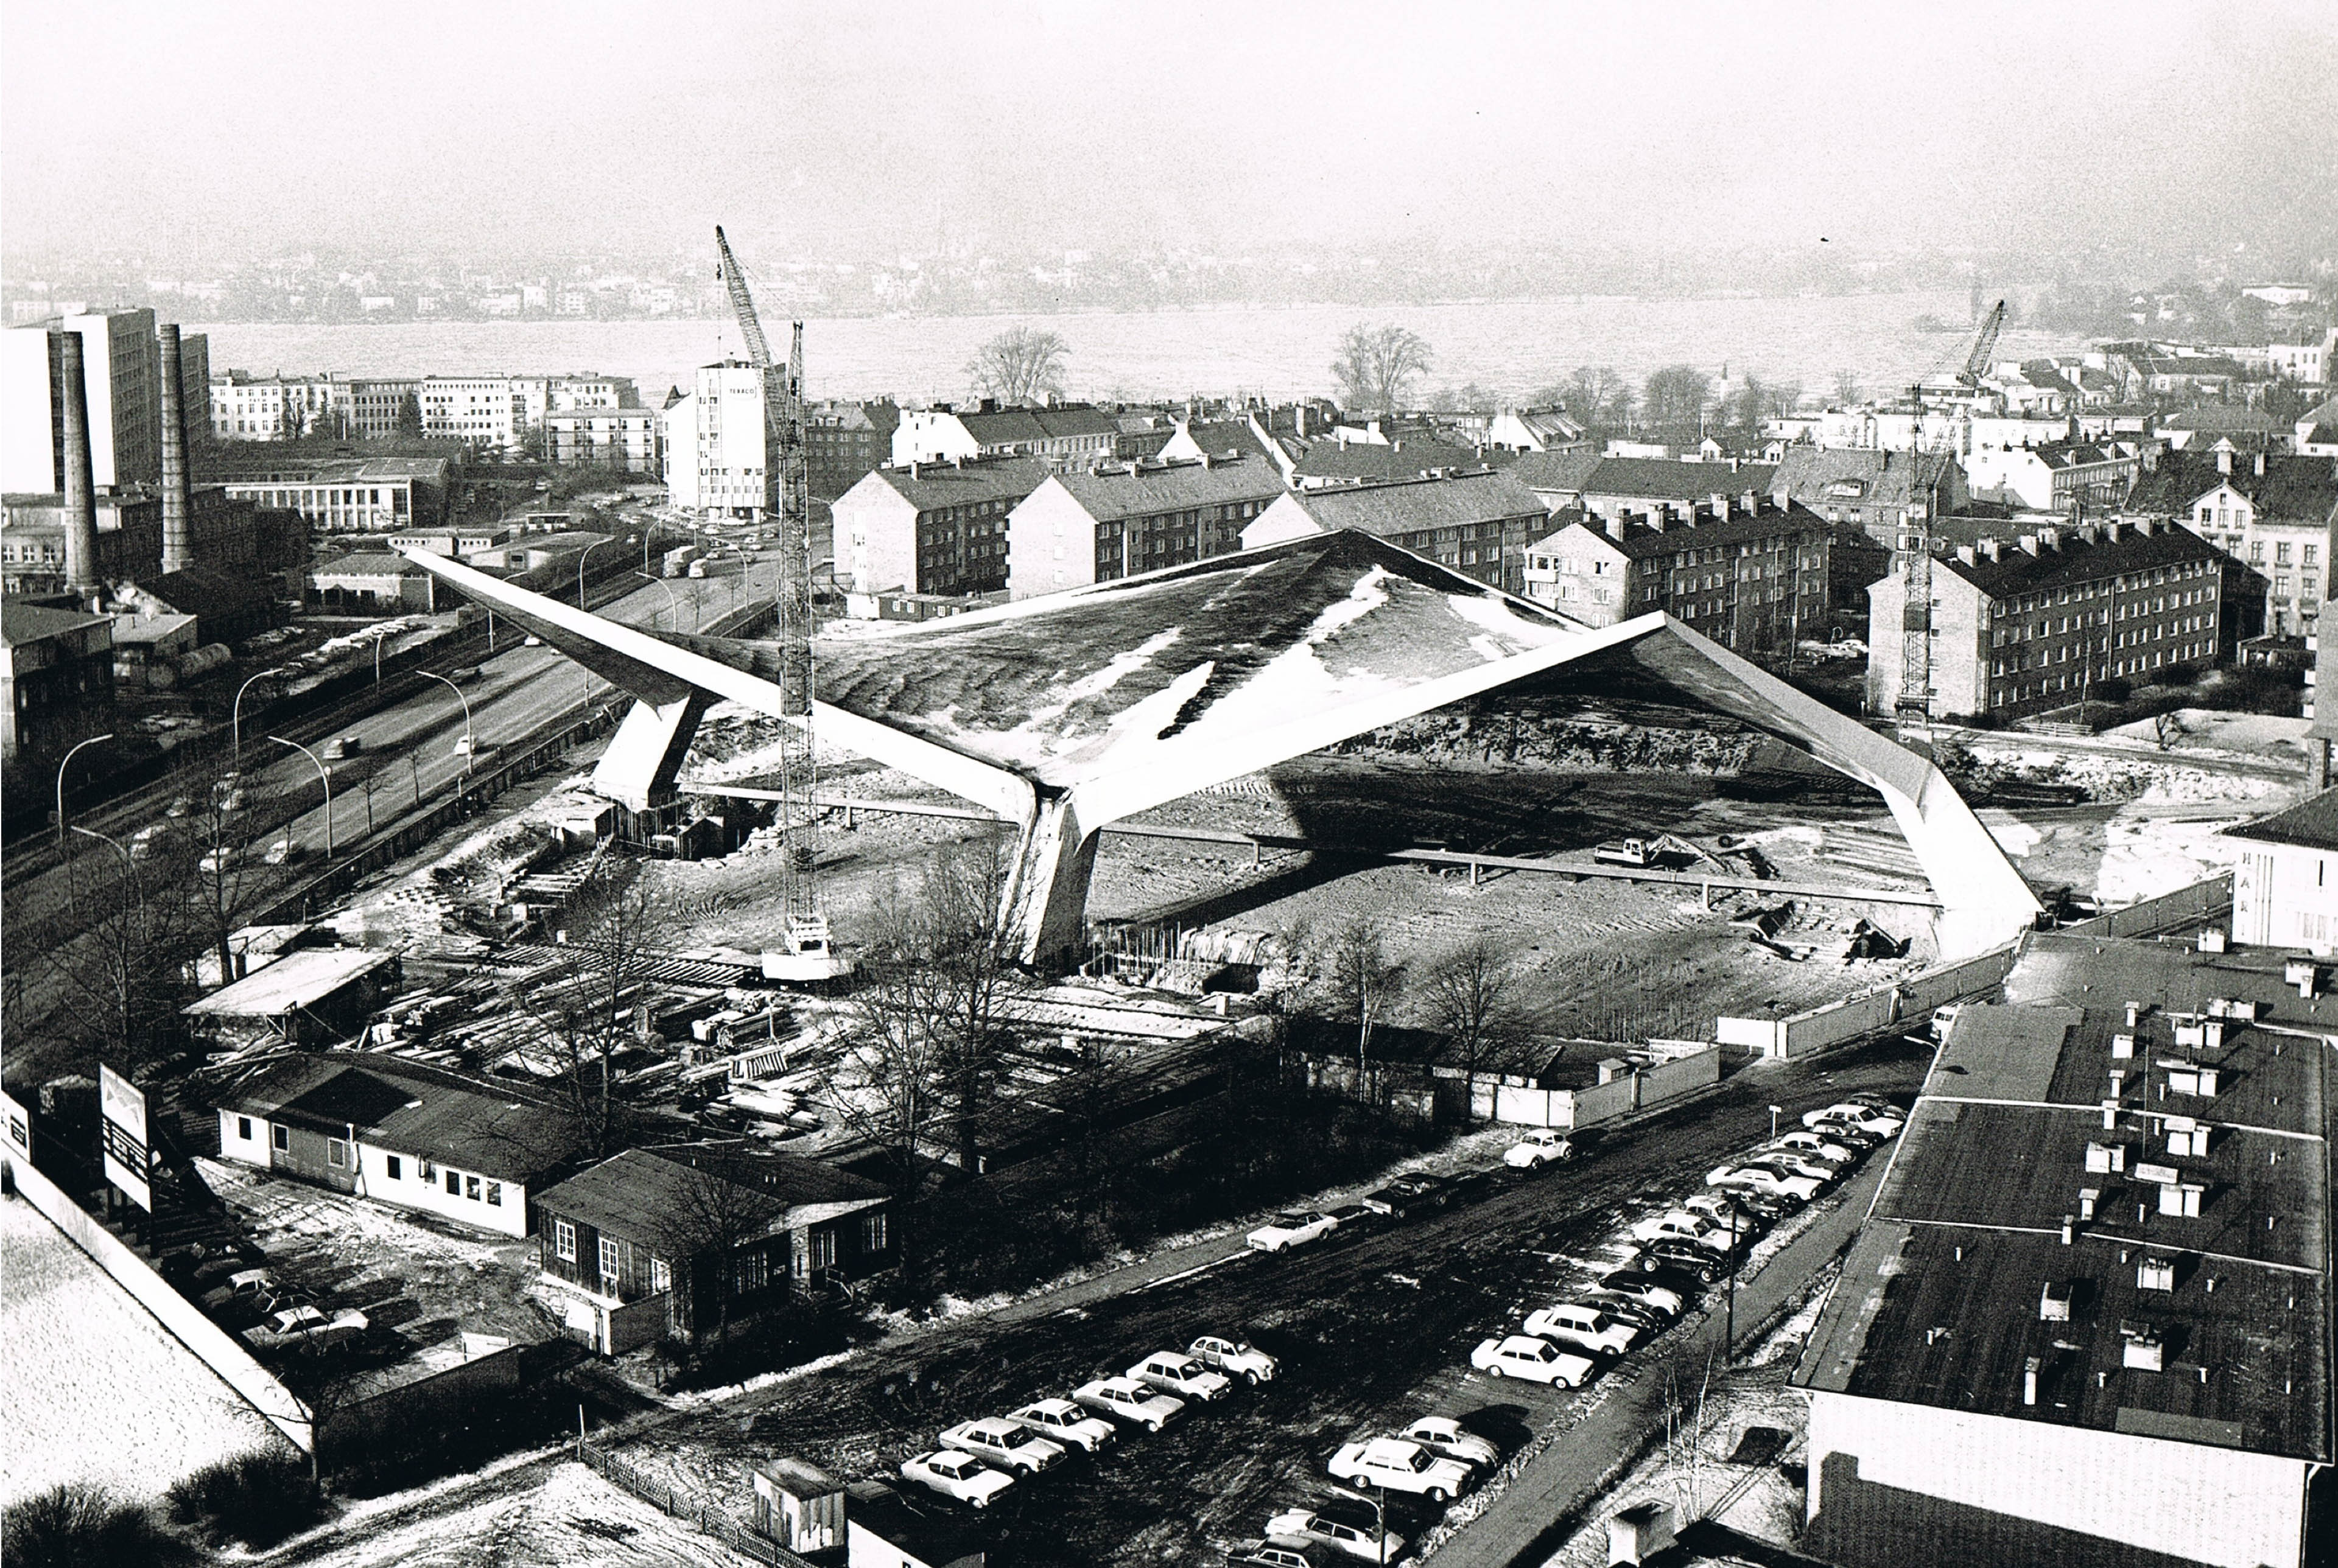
(830, 130)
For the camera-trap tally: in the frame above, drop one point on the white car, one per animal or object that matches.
(304, 1326)
(1680, 1225)
(1394, 1464)
(954, 1474)
(1174, 1373)
(226, 857)
(1762, 1179)
(1573, 1323)
(1793, 1162)
(1003, 1444)
(1062, 1422)
(1810, 1142)
(1852, 1114)
(1126, 1400)
(1443, 1435)
(1535, 1361)
(1538, 1149)
(1355, 1540)
(1235, 1359)
(1286, 1232)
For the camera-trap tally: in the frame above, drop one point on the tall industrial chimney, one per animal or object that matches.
(81, 480)
(177, 543)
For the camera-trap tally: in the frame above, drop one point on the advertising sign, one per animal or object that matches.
(121, 1132)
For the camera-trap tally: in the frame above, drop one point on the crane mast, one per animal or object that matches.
(806, 955)
(1916, 534)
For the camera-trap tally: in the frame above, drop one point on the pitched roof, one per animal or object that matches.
(1221, 436)
(476, 1124)
(1411, 505)
(647, 1194)
(295, 981)
(1814, 476)
(200, 591)
(1563, 472)
(21, 624)
(2078, 561)
(2290, 490)
(2312, 824)
(929, 487)
(1671, 479)
(1642, 543)
(1006, 427)
(366, 564)
(1409, 457)
(1141, 489)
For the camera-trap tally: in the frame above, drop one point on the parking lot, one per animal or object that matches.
(1373, 1326)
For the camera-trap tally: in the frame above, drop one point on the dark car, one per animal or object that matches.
(1470, 1186)
(1349, 1214)
(1409, 1194)
(1630, 1309)
(1691, 1257)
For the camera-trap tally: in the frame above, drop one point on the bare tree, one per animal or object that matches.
(1596, 395)
(106, 971)
(1377, 364)
(714, 1218)
(1846, 387)
(582, 1018)
(1020, 365)
(1364, 981)
(1674, 397)
(1470, 998)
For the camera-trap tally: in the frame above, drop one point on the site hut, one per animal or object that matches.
(2033, 624)
(1117, 519)
(2088, 1318)
(2286, 882)
(1750, 580)
(673, 1241)
(399, 1132)
(2271, 515)
(315, 994)
(1478, 524)
(929, 528)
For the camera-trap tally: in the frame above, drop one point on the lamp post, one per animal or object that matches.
(1729, 1331)
(323, 777)
(470, 745)
(68, 757)
(582, 555)
(129, 861)
(236, 719)
(673, 603)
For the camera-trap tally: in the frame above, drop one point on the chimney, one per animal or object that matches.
(1720, 507)
(1993, 550)
(2223, 458)
(2069, 1229)
(2260, 465)
(1615, 527)
(2049, 538)
(81, 483)
(2029, 542)
(2112, 530)
(178, 545)
(2029, 1381)
(1966, 553)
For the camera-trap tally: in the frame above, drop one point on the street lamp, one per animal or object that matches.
(129, 862)
(68, 757)
(673, 603)
(581, 556)
(236, 717)
(323, 777)
(470, 745)
(1729, 1331)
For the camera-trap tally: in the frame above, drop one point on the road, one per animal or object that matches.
(1372, 1328)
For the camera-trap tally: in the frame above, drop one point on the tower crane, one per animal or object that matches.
(1916, 533)
(806, 952)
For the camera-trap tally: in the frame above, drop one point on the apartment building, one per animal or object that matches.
(249, 407)
(1750, 579)
(1064, 433)
(716, 452)
(627, 440)
(1480, 523)
(2059, 477)
(929, 528)
(352, 495)
(486, 413)
(845, 442)
(2273, 514)
(2023, 626)
(1877, 492)
(1116, 519)
(121, 380)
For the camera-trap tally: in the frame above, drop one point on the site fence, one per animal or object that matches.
(2168, 912)
(210, 1343)
(705, 1517)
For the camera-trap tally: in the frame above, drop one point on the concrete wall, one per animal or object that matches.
(2217, 1505)
(1909, 999)
(209, 1342)
(2200, 901)
(1566, 1109)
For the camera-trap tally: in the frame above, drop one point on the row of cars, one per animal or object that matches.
(1697, 1240)
(1413, 1192)
(1435, 1458)
(267, 1314)
(976, 1461)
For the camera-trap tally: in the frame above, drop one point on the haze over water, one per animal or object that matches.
(1512, 347)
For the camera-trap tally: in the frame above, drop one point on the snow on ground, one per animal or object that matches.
(572, 1517)
(99, 1391)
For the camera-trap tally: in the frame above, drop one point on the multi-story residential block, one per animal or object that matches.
(845, 441)
(249, 407)
(2308, 363)
(2283, 895)
(1876, 492)
(629, 440)
(929, 528)
(1752, 579)
(121, 380)
(715, 450)
(486, 413)
(2087, 1317)
(2059, 478)
(352, 495)
(1478, 524)
(2271, 515)
(2033, 624)
(1640, 487)
(1065, 434)
(1116, 519)
(56, 672)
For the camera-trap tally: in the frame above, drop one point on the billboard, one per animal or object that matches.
(122, 1135)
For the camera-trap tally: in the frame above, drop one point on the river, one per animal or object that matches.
(1512, 346)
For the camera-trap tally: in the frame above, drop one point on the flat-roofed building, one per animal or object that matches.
(715, 453)
(1478, 524)
(625, 440)
(2088, 1318)
(350, 495)
(1750, 580)
(2033, 624)
(374, 580)
(929, 528)
(2286, 882)
(1115, 520)
(121, 382)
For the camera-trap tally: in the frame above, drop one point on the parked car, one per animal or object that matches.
(224, 858)
(1351, 1537)
(1857, 1139)
(956, 1475)
(179, 807)
(1538, 1149)
(1351, 1213)
(240, 1282)
(1393, 1465)
(1408, 1193)
(1535, 1361)
(1810, 1142)
(1576, 1323)
(1795, 1161)
(1762, 1179)
(1626, 1282)
(1867, 1118)
(1443, 1435)
(1470, 1186)
(1639, 1313)
(1277, 1552)
(1004, 1445)
(304, 1325)
(283, 852)
(1702, 1263)
(1944, 1018)
(1295, 1228)
(1754, 1211)
(1680, 1225)
(1126, 1400)
(1060, 1421)
(1235, 1357)
(1177, 1374)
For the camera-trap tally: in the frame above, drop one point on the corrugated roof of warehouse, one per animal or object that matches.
(931, 486)
(2019, 572)
(1138, 490)
(648, 1194)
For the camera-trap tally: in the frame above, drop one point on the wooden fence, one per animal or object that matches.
(705, 1517)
